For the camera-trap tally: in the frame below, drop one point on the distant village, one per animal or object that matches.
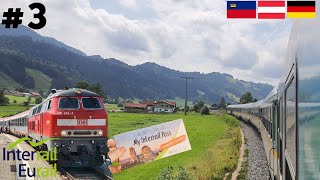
(154, 106)
(151, 106)
(22, 94)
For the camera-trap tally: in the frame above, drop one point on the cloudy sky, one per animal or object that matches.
(187, 35)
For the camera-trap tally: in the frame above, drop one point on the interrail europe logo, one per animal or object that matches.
(24, 170)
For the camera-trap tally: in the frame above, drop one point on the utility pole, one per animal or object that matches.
(186, 99)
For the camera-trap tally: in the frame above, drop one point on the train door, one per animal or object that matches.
(274, 137)
(274, 124)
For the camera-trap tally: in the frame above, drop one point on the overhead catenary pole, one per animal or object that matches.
(186, 98)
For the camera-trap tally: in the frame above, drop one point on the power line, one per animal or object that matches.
(186, 98)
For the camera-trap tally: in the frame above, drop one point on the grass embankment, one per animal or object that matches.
(245, 164)
(14, 108)
(215, 141)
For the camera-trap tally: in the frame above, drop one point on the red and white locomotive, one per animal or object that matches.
(75, 118)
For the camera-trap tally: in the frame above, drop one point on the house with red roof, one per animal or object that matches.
(150, 105)
(34, 94)
(135, 107)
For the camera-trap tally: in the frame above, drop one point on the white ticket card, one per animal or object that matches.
(153, 143)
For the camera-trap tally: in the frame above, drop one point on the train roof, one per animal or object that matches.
(272, 95)
(262, 103)
(72, 92)
(20, 115)
(248, 105)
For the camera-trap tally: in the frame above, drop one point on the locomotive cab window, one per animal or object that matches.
(68, 103)
(91, 103)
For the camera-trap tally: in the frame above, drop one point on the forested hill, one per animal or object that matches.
(35, 64)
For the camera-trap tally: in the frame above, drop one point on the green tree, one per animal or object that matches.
(15, 101)
(200, 104)
(3, 99)
(38, 100)
(246, 98)
(222, 104)
(82, 85)
(255, 100)
(120, 104)
(97, 88)
(197, 107)
(205, 110)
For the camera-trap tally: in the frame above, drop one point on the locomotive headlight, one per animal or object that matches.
(63, 133)
(78, 91)
(100, 132)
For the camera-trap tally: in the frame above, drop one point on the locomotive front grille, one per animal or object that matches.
(82, 133)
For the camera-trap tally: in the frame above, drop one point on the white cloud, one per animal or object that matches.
(185, 35)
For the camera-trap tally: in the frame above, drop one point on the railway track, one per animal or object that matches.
(83, 174)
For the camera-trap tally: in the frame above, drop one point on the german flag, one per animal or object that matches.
(301, 9)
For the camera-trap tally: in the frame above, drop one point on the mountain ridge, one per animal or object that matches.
(25, 31)
(144, 81)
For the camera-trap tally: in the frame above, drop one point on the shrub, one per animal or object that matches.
(171, 174)
(205, 110)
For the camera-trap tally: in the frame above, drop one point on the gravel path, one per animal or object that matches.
(257, 160)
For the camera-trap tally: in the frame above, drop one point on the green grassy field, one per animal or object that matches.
(110, 107)
(215, 141)
(20, 100)
(11, 109)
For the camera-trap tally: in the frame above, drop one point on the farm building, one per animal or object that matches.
(135, 107)
(152, 106)
(164, 106)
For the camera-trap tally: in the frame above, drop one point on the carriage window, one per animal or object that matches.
(39, 109)
(68, 103)
(44, 106)
(291, 122)
(91, 103)
(49, 105)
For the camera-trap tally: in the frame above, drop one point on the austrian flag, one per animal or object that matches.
(271, 9)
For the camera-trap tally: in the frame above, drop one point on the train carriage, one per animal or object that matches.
(290, 114)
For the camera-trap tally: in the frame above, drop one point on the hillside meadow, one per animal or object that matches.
(14, 108)
(215, 140)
